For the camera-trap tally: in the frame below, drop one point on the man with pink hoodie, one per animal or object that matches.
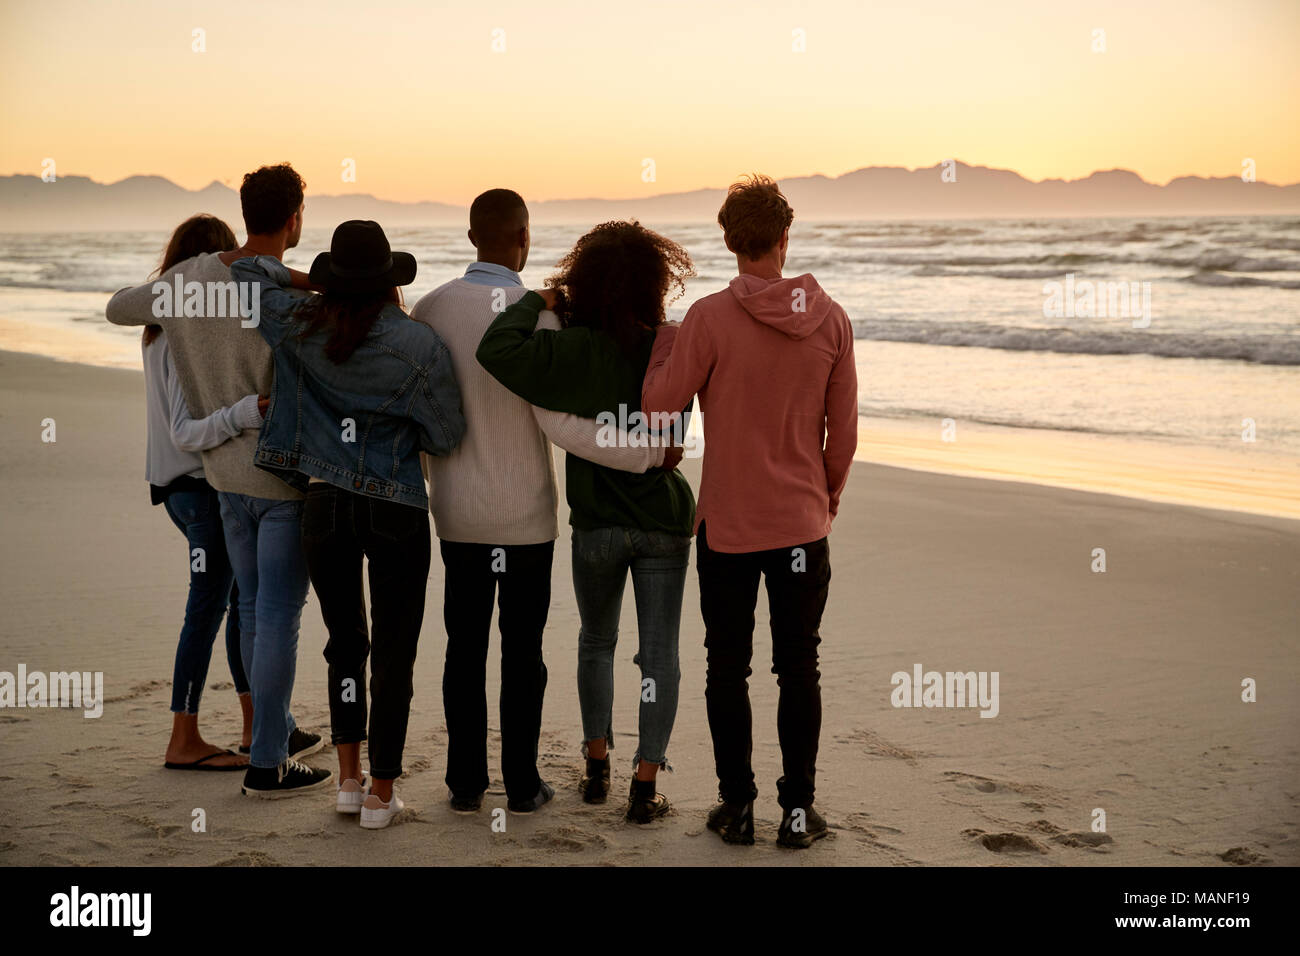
(772, 361)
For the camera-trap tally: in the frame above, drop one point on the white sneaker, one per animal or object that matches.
(351, 795)
(375, 814)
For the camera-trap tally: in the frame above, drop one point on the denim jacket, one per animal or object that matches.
(360, 425)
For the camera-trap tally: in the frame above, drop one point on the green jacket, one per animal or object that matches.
(582, 371)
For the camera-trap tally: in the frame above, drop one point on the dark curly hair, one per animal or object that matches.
(268, 196)
(617, 278)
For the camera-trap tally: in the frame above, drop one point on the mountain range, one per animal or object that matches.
(79, 204)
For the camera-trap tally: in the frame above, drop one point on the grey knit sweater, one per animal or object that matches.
(219, 362)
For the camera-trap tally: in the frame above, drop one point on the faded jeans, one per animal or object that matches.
(658, 561)
(264, 541)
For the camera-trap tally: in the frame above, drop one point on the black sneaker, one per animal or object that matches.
(466, 804)
(734, 822)
(811, 826)
(533, 803)
(644, 804)
(287, 780)
(303, 744)
(595, 782)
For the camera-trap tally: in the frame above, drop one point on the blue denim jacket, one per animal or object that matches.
(360, 425)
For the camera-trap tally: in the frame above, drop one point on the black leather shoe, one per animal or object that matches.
(645, 804)
(595, 782)
(535, 803)
(734, 822)
(799, 830)
(466, 804)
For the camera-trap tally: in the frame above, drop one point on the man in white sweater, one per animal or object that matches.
(494, 503)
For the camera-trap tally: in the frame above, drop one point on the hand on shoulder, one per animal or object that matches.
(552, 297)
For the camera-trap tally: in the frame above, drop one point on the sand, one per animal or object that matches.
(1118, 690)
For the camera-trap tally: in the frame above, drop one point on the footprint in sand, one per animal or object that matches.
(1241, 856)
(970, 781)
(248, 858)
(877, 746)
(1082, 838)
(418, 765)
(139, 690)
(1005, 842)
(569, 839)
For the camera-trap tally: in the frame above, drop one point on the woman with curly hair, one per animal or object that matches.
(609, 294)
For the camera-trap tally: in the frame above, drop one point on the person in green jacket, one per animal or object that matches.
(609, 294)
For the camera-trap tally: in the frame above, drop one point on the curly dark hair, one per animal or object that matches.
(268, 196)
(617, 278)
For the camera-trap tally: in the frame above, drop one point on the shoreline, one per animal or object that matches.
(1251, 480)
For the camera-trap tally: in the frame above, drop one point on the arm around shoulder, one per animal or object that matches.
(603, 444)
(267, 278)
(439, 412)
(680, 364)
(135, 305)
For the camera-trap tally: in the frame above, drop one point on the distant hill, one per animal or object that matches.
(76, 203)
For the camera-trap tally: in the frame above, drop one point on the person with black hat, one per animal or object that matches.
(359, 391)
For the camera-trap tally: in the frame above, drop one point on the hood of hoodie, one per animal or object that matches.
(797, 306)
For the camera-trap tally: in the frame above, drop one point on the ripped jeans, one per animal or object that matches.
(602, 558)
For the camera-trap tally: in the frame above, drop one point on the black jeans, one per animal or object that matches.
(338, 529)
(519, 576)
(798, 581)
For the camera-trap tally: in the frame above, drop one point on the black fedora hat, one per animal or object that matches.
(361, 261)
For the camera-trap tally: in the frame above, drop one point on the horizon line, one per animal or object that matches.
(441, 202)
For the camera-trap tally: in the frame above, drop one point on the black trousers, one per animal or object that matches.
(338, 529)
(519, 577)
(798, 581)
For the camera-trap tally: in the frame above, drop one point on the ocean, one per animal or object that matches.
(1184, 330)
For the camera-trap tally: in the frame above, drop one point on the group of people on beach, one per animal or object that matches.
(320, 424)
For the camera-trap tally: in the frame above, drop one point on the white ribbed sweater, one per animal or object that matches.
(499, 485)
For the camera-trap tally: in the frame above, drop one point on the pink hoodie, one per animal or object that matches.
(772, 362)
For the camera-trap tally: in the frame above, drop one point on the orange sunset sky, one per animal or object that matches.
(582, 93)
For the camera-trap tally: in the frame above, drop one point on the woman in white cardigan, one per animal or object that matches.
(174, 470)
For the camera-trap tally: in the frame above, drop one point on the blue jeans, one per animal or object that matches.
(602, 558)
(264, 540)
(197, 515)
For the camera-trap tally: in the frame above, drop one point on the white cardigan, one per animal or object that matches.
(174, 437)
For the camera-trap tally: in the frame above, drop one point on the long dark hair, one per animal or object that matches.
(346, 319)
(201, 233)
(617, 278)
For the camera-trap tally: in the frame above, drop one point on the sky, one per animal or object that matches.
(436, 100)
